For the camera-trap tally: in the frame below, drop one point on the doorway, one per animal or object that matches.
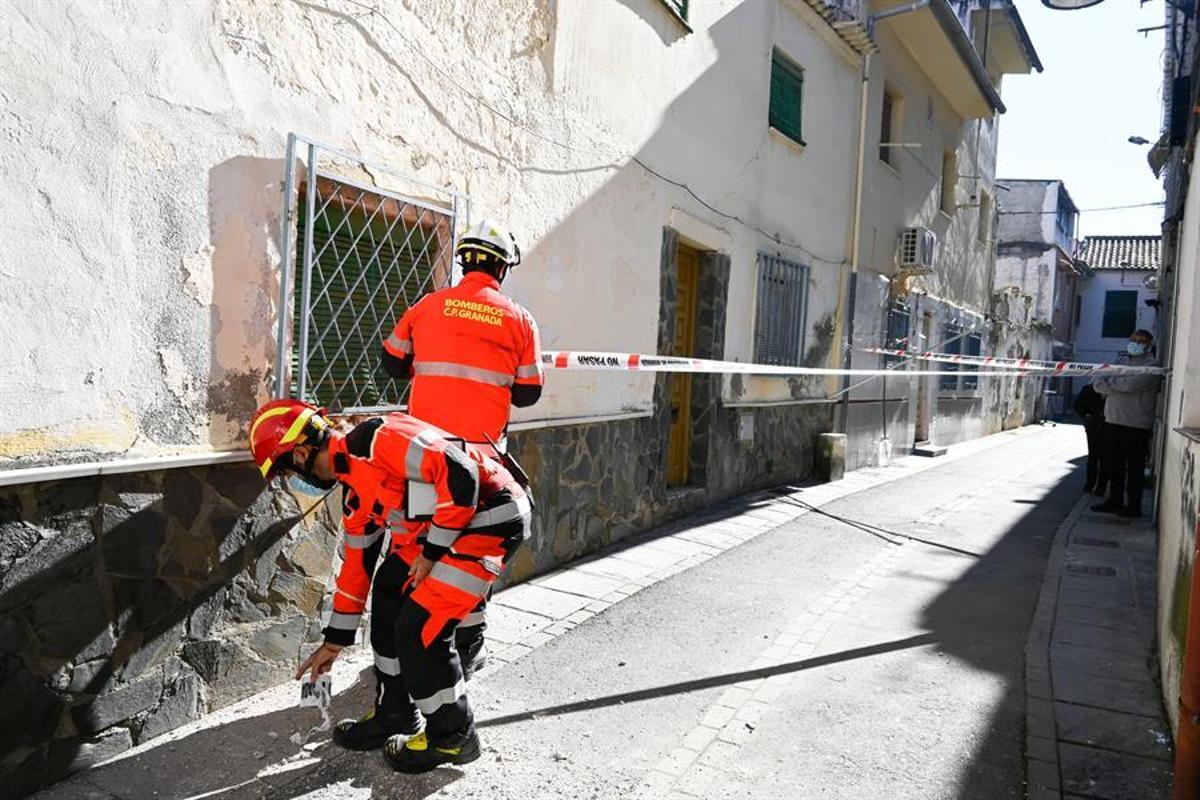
(679, 448)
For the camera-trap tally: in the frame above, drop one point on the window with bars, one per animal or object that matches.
(969, 344)
(373, 256)
(1120, 314)
(787, 94)
(889, 127)
(782, 313)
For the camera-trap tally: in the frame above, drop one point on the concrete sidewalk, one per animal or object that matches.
(247, 762)
(1094, 716)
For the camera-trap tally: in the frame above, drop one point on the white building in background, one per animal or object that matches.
(1119, 294)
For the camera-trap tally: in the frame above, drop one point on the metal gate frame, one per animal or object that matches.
(456, 207)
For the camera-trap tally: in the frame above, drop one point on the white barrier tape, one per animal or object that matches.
(1026, 364)
(637, 362)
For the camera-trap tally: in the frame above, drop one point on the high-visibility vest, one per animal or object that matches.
(377, 463)
(469, 344)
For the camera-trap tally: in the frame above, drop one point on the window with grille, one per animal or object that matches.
(787, 93)
(952, 343)
(781, 317)
(972, 346)
(373, 255)
(1120, 314)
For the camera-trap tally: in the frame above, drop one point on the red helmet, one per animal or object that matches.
(279, 427)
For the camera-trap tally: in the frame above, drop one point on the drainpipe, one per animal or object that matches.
(855, 227)
(1187, 741)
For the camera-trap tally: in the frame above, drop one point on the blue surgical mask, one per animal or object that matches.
(300, 486)
(1135, 349)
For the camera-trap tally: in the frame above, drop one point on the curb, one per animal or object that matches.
(1042, 772)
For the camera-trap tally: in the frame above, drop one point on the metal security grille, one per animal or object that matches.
(781, 319)
(363, 255)
(787, 95)
(899, 318)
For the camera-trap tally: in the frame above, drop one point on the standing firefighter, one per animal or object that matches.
(470, 350)
(446, 518)
(472, 354)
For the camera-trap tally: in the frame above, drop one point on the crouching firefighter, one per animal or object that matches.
(446, 518)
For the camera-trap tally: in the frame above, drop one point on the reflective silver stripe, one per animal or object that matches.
(388, 666)
(360, 542)
(416, 450)
(344, 622)
(474, 619)
(396, 343)
(441, 537)
(503, 513)
(529, 370)
(455, 577)
(445, 697)
(446, 369)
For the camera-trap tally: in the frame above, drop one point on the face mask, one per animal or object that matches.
(308, 485)
(1135, 349)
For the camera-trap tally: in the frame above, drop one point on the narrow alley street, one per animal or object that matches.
(815, 659)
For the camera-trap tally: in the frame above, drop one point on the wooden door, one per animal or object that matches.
(679, 443)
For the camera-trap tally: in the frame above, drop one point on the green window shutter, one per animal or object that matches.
(787, 92)
(952, 335)
(1120, 314)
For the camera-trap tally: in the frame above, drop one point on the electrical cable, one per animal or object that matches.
(1084, 210)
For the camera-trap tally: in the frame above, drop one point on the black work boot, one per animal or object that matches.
(420, 754)
(372, 731)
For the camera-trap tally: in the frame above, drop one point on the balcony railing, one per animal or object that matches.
(849, 19)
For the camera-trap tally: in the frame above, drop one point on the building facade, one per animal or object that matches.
(1036, 254)
(179, 258)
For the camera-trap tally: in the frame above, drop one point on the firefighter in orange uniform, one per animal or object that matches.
(472, 353)
(446, 518)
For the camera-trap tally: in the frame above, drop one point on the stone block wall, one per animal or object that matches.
(131, 604)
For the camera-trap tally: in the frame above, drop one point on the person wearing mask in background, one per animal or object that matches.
(1089, 405)
(1129, 403)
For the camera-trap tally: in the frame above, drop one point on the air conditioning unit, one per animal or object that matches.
(917, 250)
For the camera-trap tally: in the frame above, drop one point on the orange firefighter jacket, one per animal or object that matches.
(469, 349)
(380, 464)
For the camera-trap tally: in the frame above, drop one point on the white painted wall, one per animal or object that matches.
(1089, 344)
(142, 262)
(1179, 485)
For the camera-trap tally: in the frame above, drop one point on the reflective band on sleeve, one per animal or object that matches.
(529, 370)
(388, 666)
(441, 537)
(346, 594)
(503, 513)
(474, 619)
(452, 576)
(416, 450)
(446, 369)
(360, 542)
(401, 345)
(344, 622)
(445, 697)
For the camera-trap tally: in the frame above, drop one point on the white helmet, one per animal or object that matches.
(486, 244)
